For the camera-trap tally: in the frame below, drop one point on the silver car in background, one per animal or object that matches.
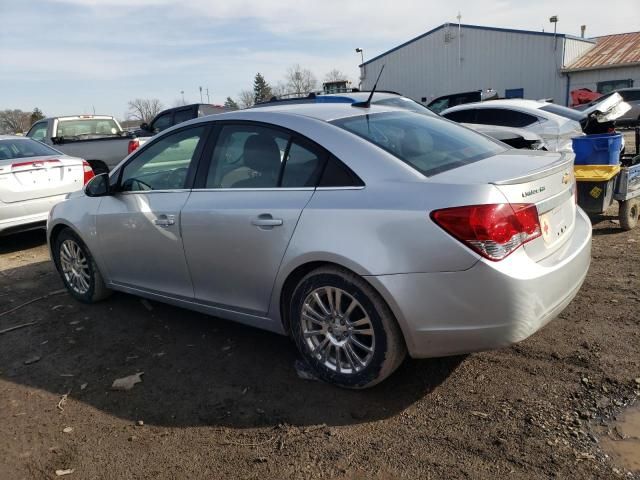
(33, 178)
(363, 232)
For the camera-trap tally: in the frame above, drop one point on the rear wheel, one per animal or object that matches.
(344, 330)
(629, 213)
(77, 268)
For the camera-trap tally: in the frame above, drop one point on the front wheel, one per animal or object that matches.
(77, 268)
(344, 330)
(629, 213)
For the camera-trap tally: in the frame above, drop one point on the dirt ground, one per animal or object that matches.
(219, 400)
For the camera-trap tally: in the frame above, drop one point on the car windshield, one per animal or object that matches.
(88, 127)
(24, 148)
(428, 144)
(565, 112)
(406, 104)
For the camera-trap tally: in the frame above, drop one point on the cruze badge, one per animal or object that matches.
(533, 191)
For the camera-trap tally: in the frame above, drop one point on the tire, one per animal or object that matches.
(629, 213)
(366, 358)
(67, 247)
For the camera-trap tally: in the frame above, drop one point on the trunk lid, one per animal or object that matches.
(543, 179)
(38, 177)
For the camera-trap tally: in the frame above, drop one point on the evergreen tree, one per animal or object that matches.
(36, 115)
(261, 89)
(230, 104)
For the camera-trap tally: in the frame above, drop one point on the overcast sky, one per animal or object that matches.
(71, 56)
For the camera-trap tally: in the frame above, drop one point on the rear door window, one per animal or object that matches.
(504, 117)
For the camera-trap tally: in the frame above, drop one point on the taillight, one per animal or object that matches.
(133, 145)
(88, 171)
(494, 231)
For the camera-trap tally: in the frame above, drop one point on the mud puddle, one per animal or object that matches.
(623, 440)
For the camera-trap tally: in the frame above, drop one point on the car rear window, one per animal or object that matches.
(24, 148)
(87, 127)
(430, 145)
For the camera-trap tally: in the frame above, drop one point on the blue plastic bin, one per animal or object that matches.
(602, 149)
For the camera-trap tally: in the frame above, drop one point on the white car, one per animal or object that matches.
(33, 178)
(542, 118)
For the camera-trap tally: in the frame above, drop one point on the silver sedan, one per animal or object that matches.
(362, 232)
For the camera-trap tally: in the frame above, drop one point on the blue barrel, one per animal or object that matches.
(601, 149)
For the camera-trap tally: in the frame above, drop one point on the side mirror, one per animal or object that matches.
(98, 186)
(144, 126)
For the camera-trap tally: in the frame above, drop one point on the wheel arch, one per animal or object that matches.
(300, 271)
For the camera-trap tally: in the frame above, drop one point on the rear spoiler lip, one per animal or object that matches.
(565, 161)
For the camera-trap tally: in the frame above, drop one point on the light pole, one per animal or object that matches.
(361, 52)
(200, 94)
(182, 93)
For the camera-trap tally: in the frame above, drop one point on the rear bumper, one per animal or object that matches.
(491, 305)
(27, 214)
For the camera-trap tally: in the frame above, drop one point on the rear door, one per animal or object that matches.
(238, 223)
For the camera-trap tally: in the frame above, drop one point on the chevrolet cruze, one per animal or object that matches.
(364, 232)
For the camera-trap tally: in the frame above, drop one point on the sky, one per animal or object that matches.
(76, 56)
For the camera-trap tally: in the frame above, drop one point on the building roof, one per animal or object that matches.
(610, 51)
(476, 27)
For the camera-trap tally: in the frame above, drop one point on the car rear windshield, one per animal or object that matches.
(565, 112)
(87, 127)
(24, 148)
(428, 144)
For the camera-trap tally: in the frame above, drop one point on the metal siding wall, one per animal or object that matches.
(590, 78)
(429, 67)
(574, 48)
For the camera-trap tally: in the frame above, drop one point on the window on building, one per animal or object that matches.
(611, 85)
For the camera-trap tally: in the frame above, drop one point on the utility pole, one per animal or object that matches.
(200, 94)
(208, 99)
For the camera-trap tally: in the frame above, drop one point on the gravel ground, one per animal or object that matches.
(219, 400)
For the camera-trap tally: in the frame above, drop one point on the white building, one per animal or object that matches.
(456, 58)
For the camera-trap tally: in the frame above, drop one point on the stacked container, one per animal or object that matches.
(596, 166)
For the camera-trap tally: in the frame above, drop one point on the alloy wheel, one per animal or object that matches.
(75, 266)
(337, 330)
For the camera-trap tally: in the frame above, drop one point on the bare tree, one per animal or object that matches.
(246, 99)
(144, 109)
(279, 89)
(300, 81)
(15, 121)
(336, 75)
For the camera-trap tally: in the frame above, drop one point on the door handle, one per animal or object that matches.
(165, 220)
(266, 220)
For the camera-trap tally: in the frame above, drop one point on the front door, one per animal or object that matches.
(238, 225)
(139, 227)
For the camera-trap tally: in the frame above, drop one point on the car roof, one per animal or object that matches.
(342, 97)
(503, 103)
(326, 112)
(14, 137)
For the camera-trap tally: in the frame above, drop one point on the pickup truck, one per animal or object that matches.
(99, 139)
(173, 116)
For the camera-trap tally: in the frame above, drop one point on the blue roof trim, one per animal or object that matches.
(476, 27)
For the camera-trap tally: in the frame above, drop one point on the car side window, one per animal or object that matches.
(162, 123)
(38, 131)
(302, 167)
(337, 174)
(182, 116)
(504, 117)
(164, 164)
(462, 116)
